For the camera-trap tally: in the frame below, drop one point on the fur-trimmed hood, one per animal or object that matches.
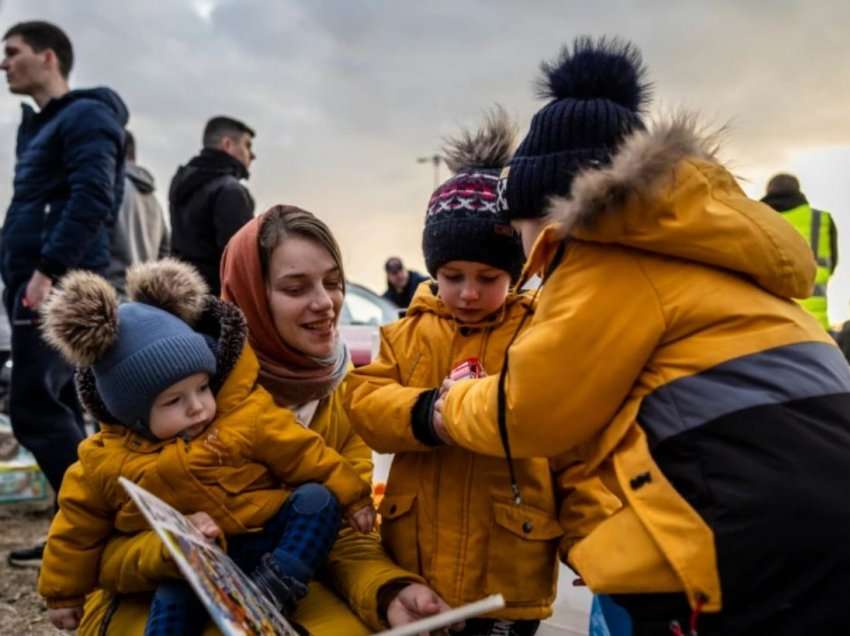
(223, 321)
(666, 192)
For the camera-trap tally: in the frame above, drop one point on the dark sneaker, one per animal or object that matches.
(282, 590)
(26, 557)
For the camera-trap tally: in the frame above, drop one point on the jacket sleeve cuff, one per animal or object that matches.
(60, 603)
(54, 270)
(421, 422)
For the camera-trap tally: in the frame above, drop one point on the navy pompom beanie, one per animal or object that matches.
(598, 93)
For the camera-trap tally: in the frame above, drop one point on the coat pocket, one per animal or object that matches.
(398, 530)
(522, 560)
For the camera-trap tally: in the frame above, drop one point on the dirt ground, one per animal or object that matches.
(22, 612)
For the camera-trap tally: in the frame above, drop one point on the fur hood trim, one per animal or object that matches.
(641, 166)
(223, 321)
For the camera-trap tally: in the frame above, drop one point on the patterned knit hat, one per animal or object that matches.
(462, 223)
(598, 94)
(138, 349)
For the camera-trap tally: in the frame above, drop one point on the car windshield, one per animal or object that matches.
(364, 307)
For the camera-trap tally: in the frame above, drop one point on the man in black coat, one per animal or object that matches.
(401, 282)
(207, 201)
(69, 179)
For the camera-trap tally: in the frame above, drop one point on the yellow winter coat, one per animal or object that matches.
(667, 360)
(448, 513)
(133, 564)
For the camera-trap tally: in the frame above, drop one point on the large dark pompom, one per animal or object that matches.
(489, 147)
(80, 317)
(171, 285)
(607, 68)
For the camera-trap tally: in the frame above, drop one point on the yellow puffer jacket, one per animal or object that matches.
(667, 360)
(448, 513)
(237, 471)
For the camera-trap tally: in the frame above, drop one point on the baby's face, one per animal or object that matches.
(185, 408)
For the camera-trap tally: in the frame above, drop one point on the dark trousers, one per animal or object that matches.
(43, 406)
(299, 537)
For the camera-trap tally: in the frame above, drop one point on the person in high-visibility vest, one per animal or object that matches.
(817, 227)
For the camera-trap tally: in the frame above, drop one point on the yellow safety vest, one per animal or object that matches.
(813, 225)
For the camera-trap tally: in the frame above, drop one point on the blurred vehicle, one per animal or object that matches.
(363, 312)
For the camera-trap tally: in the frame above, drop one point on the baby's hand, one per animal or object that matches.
(205, 525)
(363, 520)
(65, 617)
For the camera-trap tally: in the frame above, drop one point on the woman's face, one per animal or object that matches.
(304, 290)
(529, 230)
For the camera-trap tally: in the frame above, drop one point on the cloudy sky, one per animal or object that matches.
(346, 94)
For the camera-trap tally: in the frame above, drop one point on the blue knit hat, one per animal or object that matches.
(136, 350)
(597, 95)
(462, 222)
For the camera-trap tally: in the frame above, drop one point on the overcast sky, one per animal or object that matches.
(346, 94)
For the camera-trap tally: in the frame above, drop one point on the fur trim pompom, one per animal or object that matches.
(489, 147)
(80, 318)
(607, 68)
(169, 284)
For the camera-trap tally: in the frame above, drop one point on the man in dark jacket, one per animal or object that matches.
(69, 179)
(139, 233)
(401, 282)
(207, 202)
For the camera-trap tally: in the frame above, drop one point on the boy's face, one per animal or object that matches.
(186, 407)
(472, 291)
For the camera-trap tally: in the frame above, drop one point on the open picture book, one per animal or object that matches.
(233, 602)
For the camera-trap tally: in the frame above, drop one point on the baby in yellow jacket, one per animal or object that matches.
(174, 383)
(448, 514)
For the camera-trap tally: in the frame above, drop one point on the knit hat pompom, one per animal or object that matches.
(171, 285)
(609, 68)
(488, 148)
(462, 221)
(597, 92)
(80, 318)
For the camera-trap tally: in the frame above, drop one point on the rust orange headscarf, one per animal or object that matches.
(292, 377)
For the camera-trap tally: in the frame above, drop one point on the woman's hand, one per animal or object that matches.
(67, 618)
(415, 602)
(205, 525)
(363, 520)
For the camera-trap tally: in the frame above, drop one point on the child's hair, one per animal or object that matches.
(135, 349)
(282, 221)
(462, 223)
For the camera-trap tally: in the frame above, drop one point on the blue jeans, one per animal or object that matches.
(299, 537)
(43, 406)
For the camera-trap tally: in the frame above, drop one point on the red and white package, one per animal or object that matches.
(469, 368)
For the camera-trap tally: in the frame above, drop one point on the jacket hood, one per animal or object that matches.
(221, 321)
(665, 192)
(141, 178)
(784, 201)
(209, 165)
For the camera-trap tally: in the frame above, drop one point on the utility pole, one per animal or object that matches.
(435, 160)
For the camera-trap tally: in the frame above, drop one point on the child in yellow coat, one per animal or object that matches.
(448, 514)
(174, 383)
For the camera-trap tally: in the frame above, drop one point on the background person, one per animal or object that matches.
(401, 282)
(207, 201)
(69, 179)
(817, 227)
(139, 233)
